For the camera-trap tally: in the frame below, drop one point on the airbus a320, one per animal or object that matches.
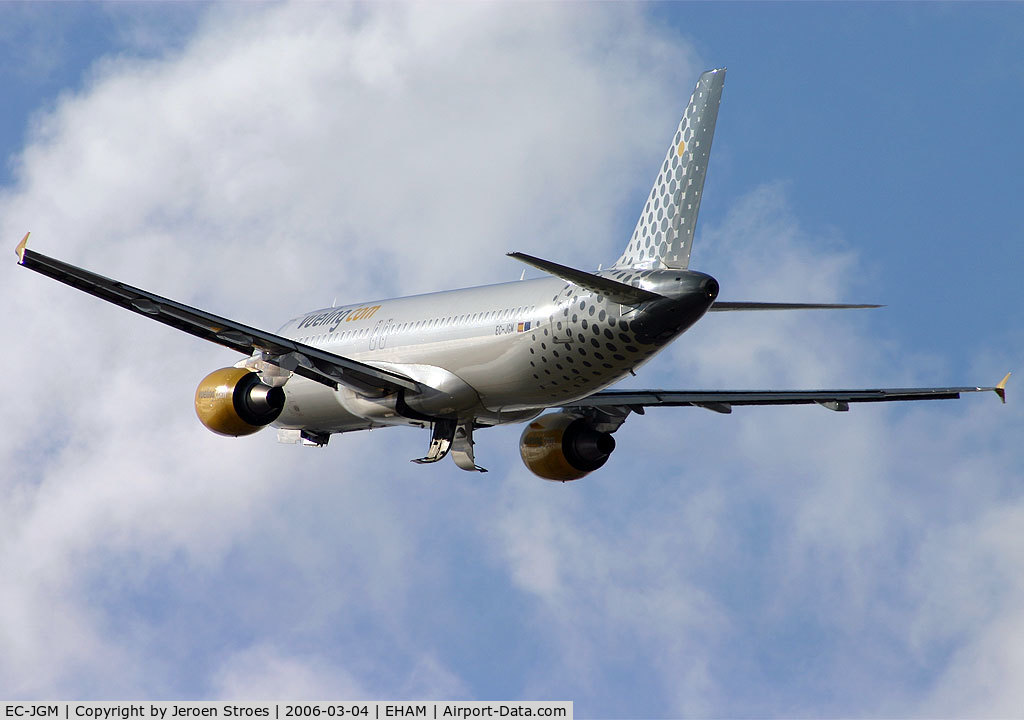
(458, 361)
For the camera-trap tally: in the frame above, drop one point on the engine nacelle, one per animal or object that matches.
(560, 446)
(233, 401)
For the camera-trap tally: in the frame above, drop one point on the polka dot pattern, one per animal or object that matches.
(664, 232)
(586, 343)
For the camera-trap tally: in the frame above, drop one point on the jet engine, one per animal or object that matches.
(560, 446)
(233, 401)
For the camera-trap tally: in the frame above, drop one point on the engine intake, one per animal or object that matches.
(560, 446)
(233, 401)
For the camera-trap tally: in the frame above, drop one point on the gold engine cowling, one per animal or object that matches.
(233, 401)
(560, 446)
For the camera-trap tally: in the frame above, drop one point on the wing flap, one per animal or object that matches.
(305, 360)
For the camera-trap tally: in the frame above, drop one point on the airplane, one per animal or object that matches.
(458, 361)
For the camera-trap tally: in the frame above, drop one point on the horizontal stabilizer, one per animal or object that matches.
(724, 306)
(614, 290)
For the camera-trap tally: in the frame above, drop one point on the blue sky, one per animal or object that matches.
(856, 86)
(262, 159)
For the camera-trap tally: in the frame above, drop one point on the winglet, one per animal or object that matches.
(20, 250)
(1001, 387)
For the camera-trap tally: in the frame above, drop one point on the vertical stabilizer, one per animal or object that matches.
(664, 233)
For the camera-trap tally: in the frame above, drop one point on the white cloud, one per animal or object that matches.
(777, 560)
(353, 150)
(816, 562)
(262, 674)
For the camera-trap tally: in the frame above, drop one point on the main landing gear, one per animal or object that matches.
(454, 437)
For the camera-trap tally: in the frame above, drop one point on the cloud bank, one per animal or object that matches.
(777, 561)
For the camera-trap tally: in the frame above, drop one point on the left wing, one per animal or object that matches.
(723, 400)
(306, 360)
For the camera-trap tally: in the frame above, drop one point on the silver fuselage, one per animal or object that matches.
(492, 354)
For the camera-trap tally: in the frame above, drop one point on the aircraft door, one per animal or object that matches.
(379, 335)
(375, 335)
(561, 335)
(385, 330)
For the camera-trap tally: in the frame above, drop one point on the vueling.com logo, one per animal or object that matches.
(335, 318)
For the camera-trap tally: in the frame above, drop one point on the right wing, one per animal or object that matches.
(723, 400)
(305, 360)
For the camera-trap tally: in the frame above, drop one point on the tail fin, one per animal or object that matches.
(664, 233)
